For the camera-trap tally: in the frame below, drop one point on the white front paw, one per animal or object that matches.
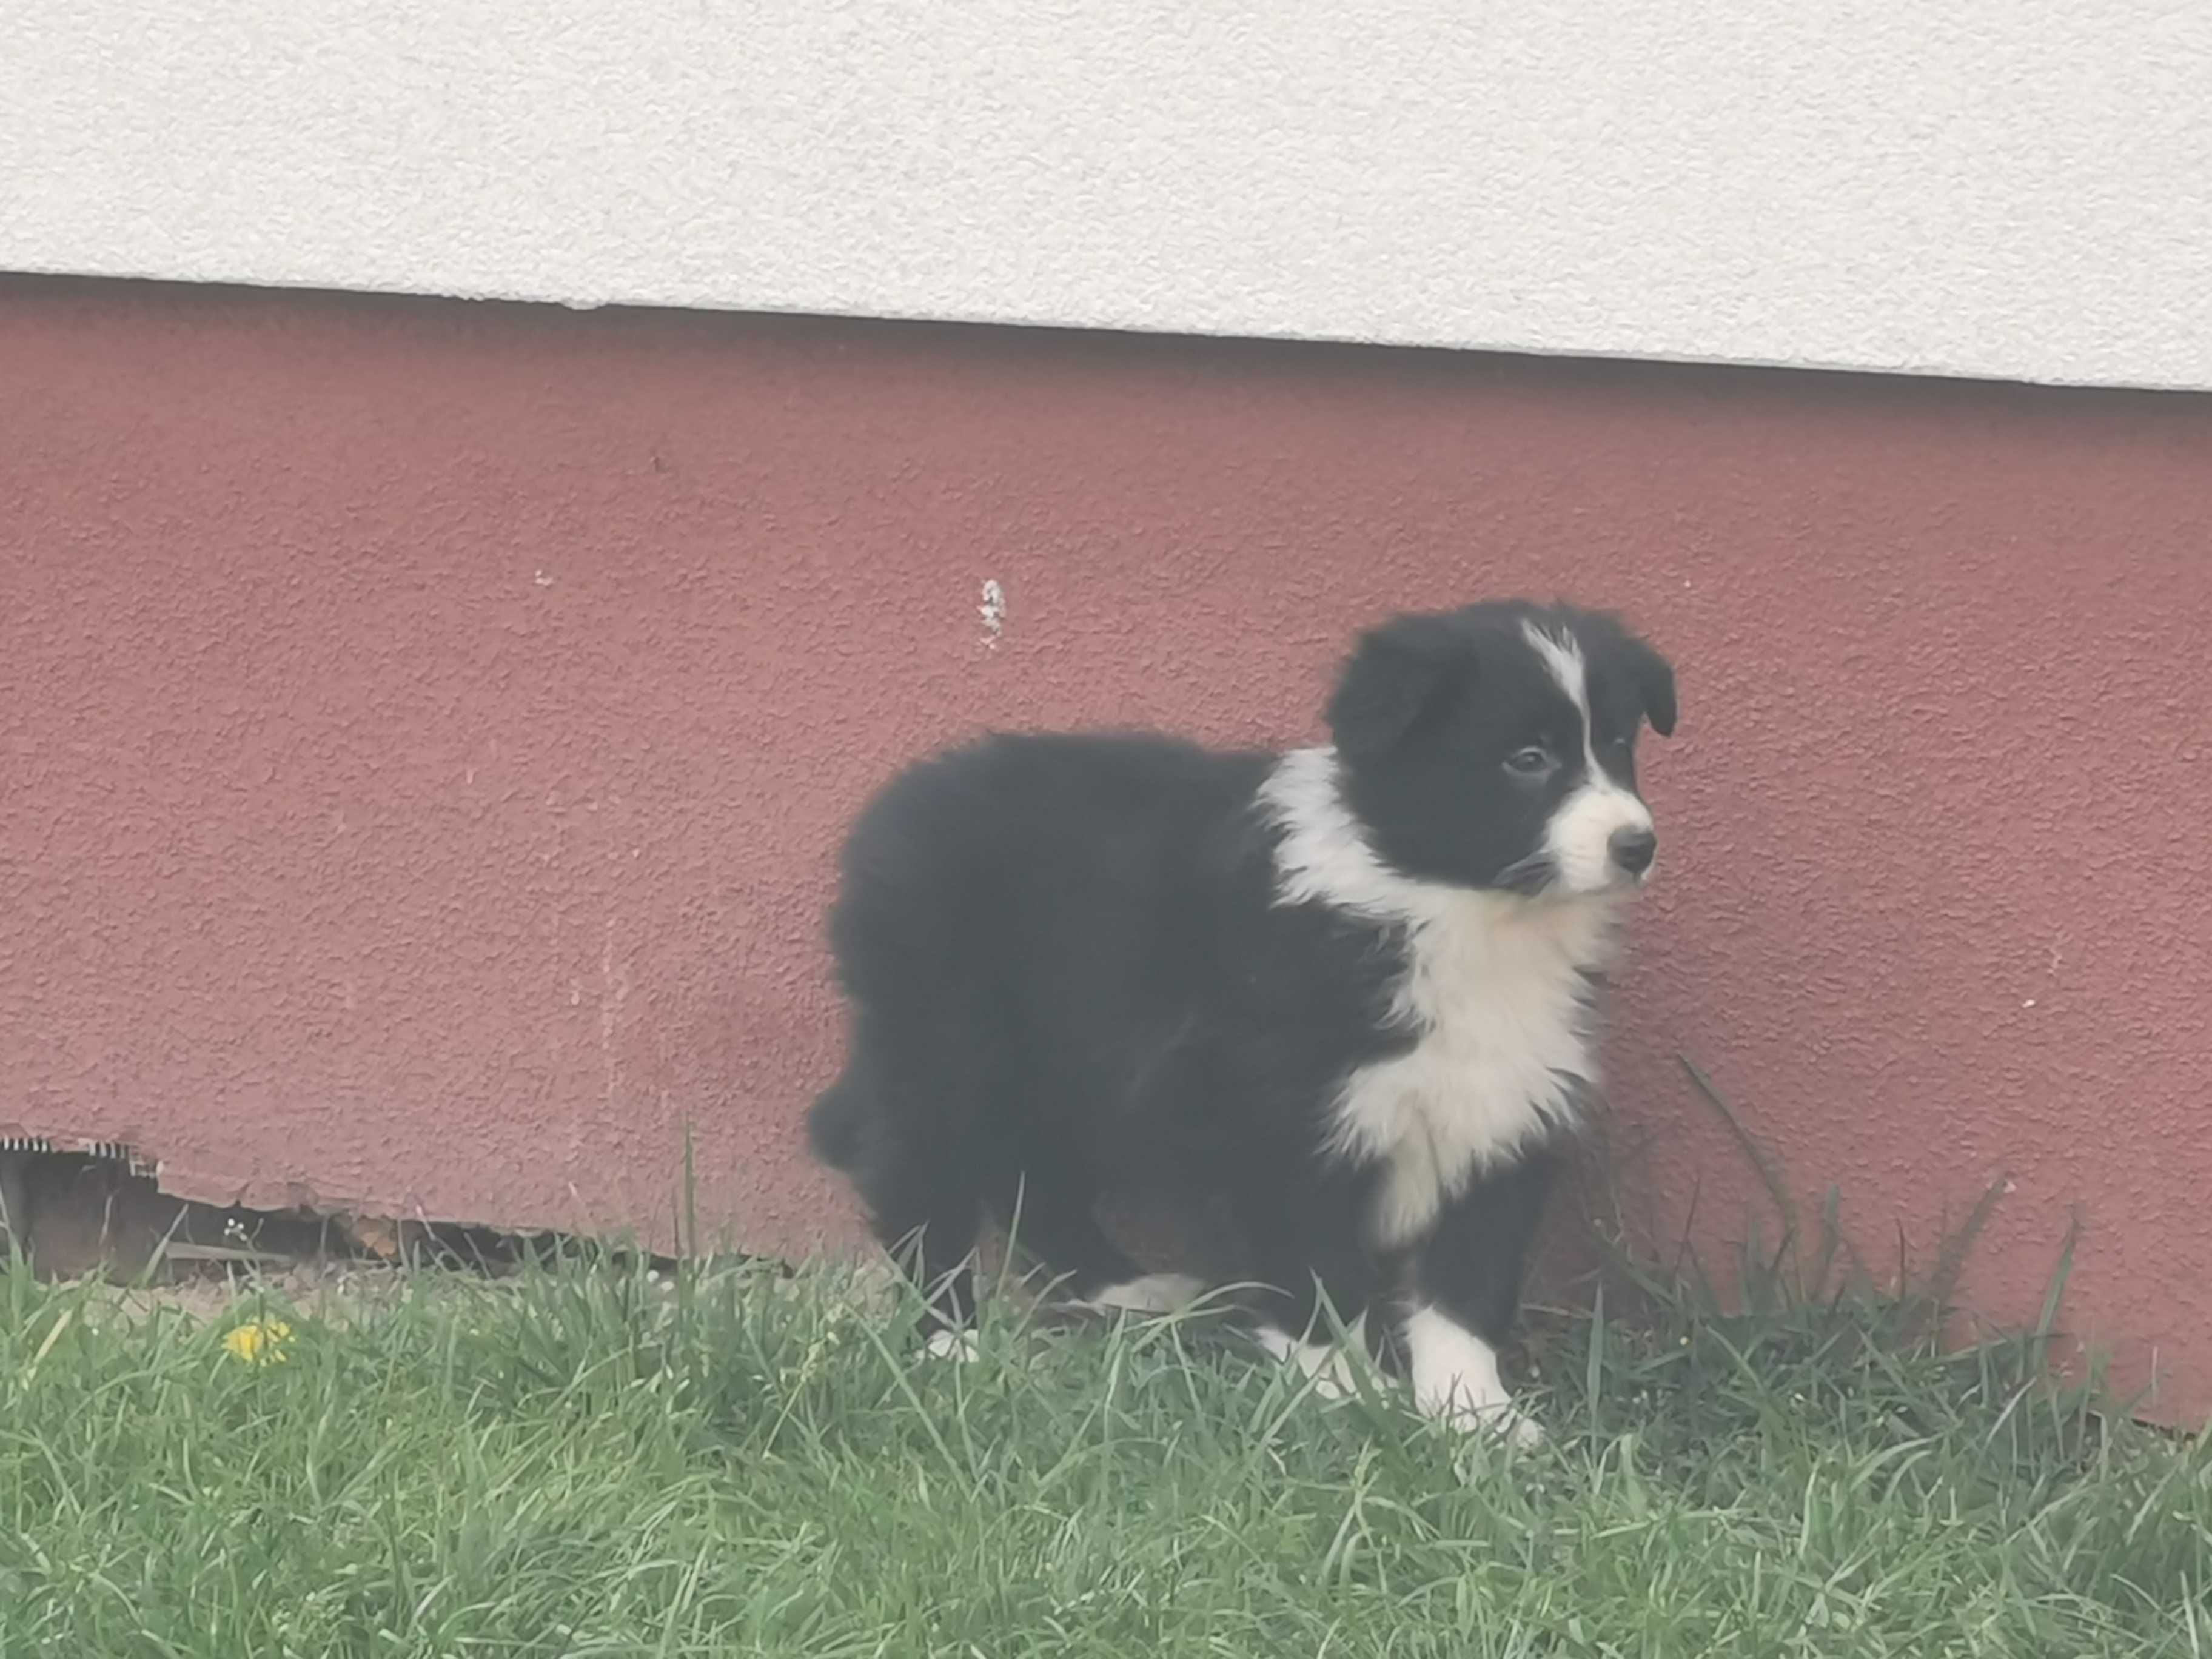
(1328, 1364)
(1154, 1293)
(959, 1346)
(1471, 1406)
(1506, 1420)
(1456, 1379)
(1332, 1377)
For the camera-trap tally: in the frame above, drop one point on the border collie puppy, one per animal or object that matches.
(1344, 993)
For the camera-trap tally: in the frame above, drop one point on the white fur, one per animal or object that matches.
(1154, 1293)
(1495, 988)
(1328, 1364)
(959, 1346)
(1456, 1378)
(1580, 836)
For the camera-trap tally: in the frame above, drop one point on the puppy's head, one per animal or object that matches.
(1495, 747)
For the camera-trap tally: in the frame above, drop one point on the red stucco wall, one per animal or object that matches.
(426, 727)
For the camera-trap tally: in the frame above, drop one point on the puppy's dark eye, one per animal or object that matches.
(1528, 763)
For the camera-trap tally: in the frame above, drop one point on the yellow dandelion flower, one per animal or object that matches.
(258, 1342)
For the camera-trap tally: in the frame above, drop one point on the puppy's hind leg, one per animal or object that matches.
(1052, 1217)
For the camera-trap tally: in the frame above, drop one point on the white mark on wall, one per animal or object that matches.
(541, 578)
(993, 610)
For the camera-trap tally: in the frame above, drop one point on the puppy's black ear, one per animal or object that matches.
(1395, 674)
(1655, 682)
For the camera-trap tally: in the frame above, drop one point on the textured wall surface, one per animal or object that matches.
(425, 729)
(1982, 187)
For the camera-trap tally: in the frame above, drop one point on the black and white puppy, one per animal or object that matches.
(1344, 993)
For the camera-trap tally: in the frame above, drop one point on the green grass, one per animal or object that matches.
(581, 1463)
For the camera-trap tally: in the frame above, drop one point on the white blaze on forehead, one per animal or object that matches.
(1580, 836)
(1564, 657)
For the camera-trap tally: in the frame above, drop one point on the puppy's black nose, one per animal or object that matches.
(1633, 849)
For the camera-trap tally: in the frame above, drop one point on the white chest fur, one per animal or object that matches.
(1494, 994)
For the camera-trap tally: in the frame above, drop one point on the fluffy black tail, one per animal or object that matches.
(832, 1125)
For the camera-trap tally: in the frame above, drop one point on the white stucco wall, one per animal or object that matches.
(2018, 188)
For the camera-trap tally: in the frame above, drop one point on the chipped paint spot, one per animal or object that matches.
(993, 610)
